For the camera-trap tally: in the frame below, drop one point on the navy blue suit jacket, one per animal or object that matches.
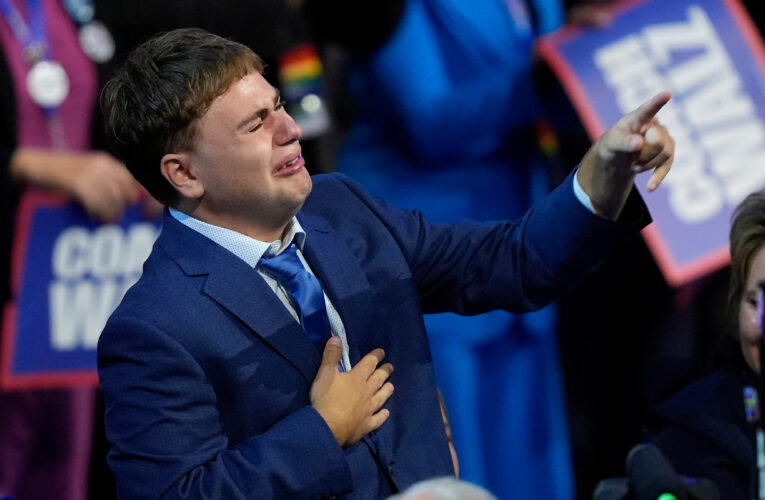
(206, 375)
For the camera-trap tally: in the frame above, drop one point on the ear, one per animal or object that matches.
(176, 168)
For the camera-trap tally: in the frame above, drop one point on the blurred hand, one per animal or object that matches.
(351, 402)
(103, 186)
(98, 181)
(637, 142)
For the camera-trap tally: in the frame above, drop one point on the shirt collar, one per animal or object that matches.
(248, 249)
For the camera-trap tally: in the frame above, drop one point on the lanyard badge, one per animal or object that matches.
(47, 81)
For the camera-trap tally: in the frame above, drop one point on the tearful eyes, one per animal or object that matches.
(279, 105)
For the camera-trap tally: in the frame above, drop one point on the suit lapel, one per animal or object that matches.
(246, 295)
(239, 289)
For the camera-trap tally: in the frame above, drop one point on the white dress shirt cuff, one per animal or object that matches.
(583, 198)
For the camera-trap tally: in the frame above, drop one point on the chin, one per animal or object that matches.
(306, 185)
(299, 197)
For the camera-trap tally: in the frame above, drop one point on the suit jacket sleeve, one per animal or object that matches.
(170, 409)
(519, 266)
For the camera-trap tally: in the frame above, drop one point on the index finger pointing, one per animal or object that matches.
(646, 111)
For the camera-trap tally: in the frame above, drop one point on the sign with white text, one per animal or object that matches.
(708, 54)
(68, 274)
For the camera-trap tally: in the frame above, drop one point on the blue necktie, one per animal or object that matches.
(308, 297)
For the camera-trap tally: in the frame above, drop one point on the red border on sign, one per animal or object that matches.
(676, 274)
(30, 202)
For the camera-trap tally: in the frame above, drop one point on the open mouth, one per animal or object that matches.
(291, 162)
(291, 166)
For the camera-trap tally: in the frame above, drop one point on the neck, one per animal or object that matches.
(256, 230)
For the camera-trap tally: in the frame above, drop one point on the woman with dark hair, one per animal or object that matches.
(707, 430)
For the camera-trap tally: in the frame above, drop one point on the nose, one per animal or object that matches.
(287, 129)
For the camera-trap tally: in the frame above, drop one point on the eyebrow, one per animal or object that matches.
(259, 113)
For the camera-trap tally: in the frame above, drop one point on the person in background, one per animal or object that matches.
(707, 429)
(49, 79)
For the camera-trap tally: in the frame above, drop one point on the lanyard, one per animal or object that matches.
(32, 36)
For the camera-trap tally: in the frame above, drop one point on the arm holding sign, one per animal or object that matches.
(95, 179)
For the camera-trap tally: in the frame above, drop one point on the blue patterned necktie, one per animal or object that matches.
(307, 295)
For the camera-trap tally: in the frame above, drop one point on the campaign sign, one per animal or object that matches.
(68, 274)
(708, 54)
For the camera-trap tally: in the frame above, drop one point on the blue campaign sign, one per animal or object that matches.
(69, 273)
(708, 54)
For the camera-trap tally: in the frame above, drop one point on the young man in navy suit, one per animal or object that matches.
(215, 383)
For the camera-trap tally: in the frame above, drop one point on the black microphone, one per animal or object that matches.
(652, 476)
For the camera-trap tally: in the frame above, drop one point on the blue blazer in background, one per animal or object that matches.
(206, 376)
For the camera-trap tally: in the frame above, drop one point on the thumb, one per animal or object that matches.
(333, 353)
